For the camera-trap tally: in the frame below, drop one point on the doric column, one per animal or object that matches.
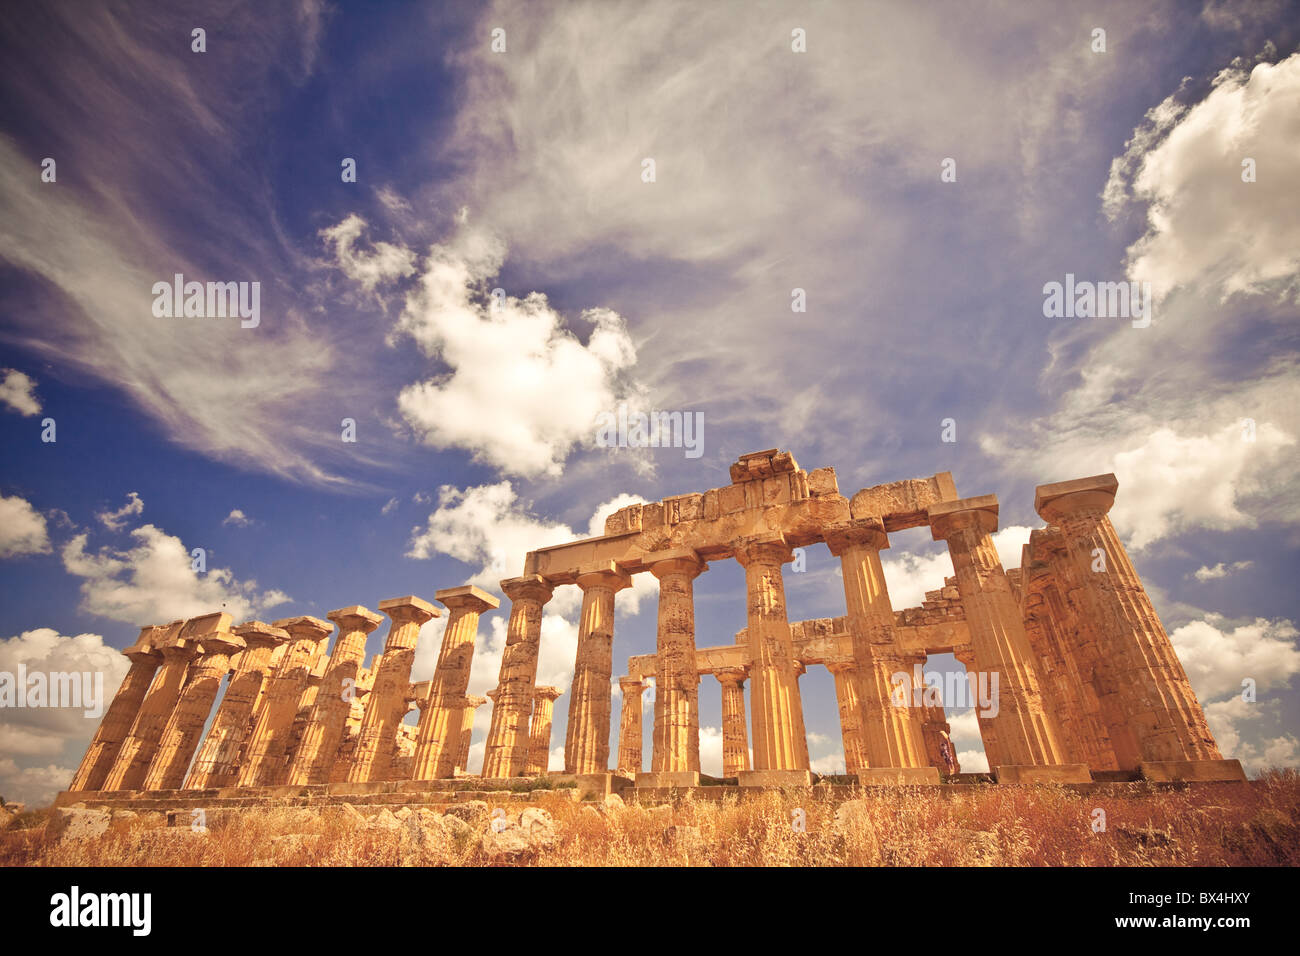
(141, 744)
(265, 758)
(437, 751)
(847, 683)
(1163, 712)
(676, 713)
(889, 730)
(388, 701)
(315, 756)
(185, 726)
(1026, 734)
(780, 742)
(988, 730)
(121, 713)
(586, 742)
(539, 731)
(217, 764)
(472, 703)
(735, 739)
(506, 754)
(629, 725)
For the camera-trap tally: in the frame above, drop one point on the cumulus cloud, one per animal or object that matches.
(384, 264)
(908, 575)
(520, 389)
(154, 581)
(116, 520)
(22, 528)
(237, 518)
(18, 391)
(1218, 656)
(1232, 719)
(43, 734)
(1220, 570)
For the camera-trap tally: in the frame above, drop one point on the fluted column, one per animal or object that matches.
(217, 764)
(141, 744)
(184, 728)
(629, 725)
(676, 708)
(889, 730)
(780, 741)
(121, 713)
(735, 739)
(586, 742)
(388, 702)
(1163, 711)
(315, 756)
(1026, 734)
(539, 731)
(988, 730)
(847, 683)
(472, 703)
(506, 754)
(265, 760)
(437, 751)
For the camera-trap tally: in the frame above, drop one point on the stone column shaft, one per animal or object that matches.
(847, 684)
(586, 742)
(121, 714)
(387, 704)
(184, 727)
(467, 730)
(676, 713)
(217, 764)
(314, 759)
(437, 752)
(539, 733)
(735, 738)
(629, 725)
(506, 753)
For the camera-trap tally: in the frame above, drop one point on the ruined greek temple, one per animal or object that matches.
(1088, 684)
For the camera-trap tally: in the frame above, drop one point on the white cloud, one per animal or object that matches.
(1207, 229)
(386, 263)
(522, 390)
(116, 520)
(153, 582)
(389, 506)
(1217, 658)
(1232, 719)
(973, 761)
(909, 575)
(18, 391)
(22, 528)
(1220, 570)
(237, 518)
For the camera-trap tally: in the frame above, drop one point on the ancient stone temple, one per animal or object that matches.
(1082, 678)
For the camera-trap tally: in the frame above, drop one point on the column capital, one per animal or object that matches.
(205, 624)
(547, 693)
(603, 574)
(676, 561)
(949, 518)
(842, 665)
(355, 618)
(474, 701)
(762, 548)
(220, 642)
(1064, 499)
(409, 610)
(467, 597)
(859, 532)
(732, 675)
(528, 587)
(261, 634)
(631, 685)
(143, 648)
(493, 694)
(420, 692)
(305, 627)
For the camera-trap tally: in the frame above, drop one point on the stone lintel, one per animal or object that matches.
(774, 778)
(899, 777)
(356, 612)
(410, 606)
(467, 596)
(1204, 771)
(205, 624)
(305, 626)
(1096, 491)
(1039, 774)
(220, 642)
(903, 504)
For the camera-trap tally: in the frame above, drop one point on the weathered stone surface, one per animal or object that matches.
(73, 823)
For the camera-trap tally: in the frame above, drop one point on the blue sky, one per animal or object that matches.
(522, 170)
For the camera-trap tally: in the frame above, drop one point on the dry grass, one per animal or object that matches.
(1252, 825)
